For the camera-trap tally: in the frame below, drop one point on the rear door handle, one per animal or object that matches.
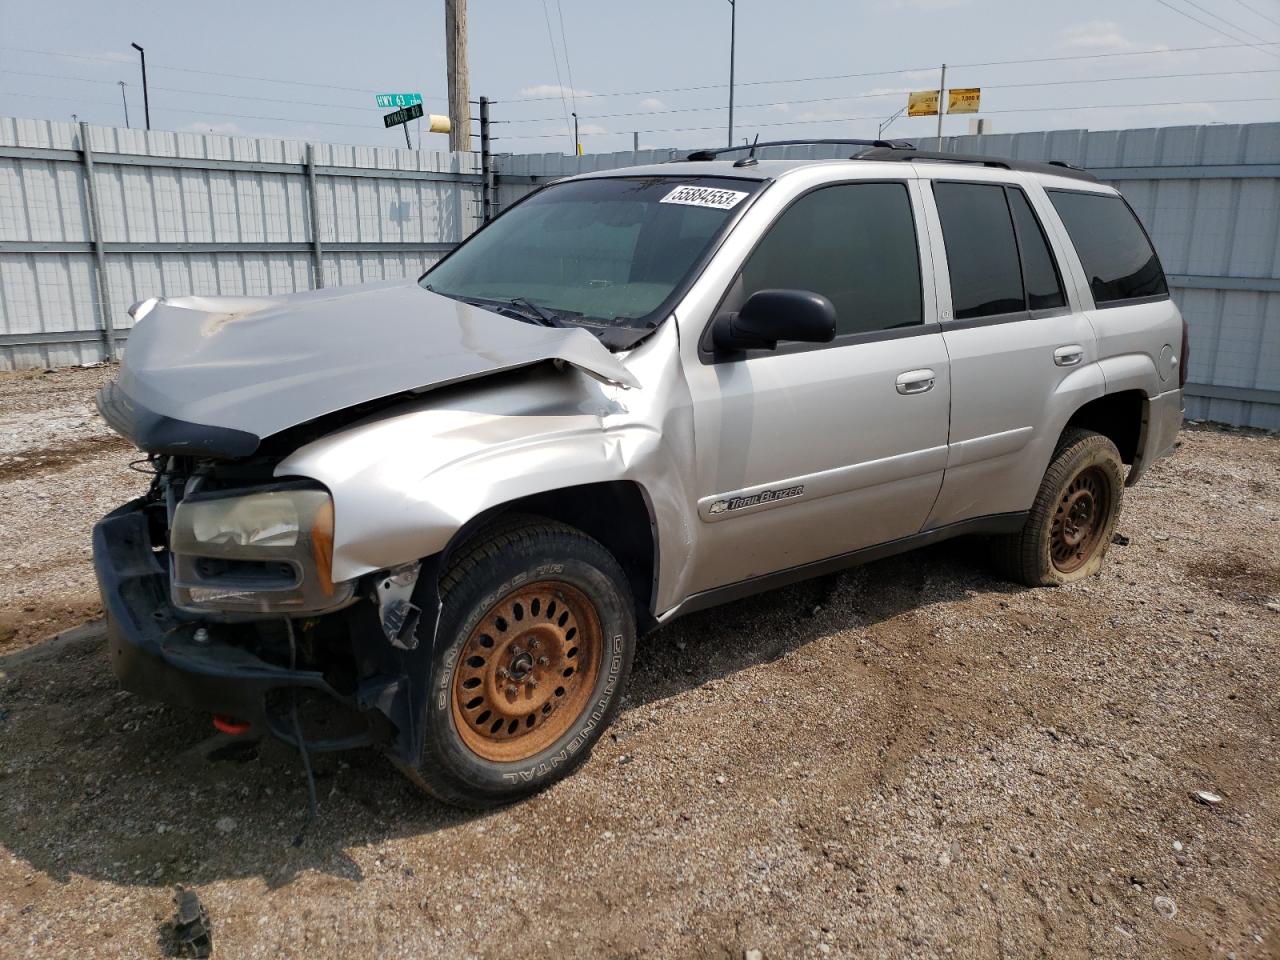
(916, 381)
(1069, 355)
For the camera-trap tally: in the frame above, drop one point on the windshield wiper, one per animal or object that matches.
(534, 312)
(522, 307)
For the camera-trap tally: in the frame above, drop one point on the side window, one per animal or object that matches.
(1039, 274)
(1113, 247)
(982, 252)
(853, 243)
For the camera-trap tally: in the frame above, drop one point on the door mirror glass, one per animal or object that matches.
(772, 315)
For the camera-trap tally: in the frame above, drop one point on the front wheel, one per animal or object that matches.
(1073, 517)
(536, 637)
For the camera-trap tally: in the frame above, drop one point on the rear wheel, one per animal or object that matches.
(1073, 517)
(536, 636)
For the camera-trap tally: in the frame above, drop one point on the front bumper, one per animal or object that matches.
(154, 652)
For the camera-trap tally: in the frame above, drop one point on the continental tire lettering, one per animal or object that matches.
(445, 677)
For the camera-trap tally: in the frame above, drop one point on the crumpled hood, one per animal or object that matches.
(248, 367)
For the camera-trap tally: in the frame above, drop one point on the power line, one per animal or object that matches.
(1124, 53)
(208, 113)
(1204, 23)
(1219, 17)
(927, 68)
(621, 115)
(1254, 10)
(690, 89)
(208, 73)
(1147, 76)
(555, 59)
(1049, 109)
(564, 45)
(200, 93)
(894, 93)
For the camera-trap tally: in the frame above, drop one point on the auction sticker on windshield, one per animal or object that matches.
(704, 197)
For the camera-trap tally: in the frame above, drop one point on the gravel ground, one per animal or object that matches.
(913, 759)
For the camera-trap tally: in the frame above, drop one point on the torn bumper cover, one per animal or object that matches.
(156, 651)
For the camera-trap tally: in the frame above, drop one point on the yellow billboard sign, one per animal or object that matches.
(922, 103)
(964, 99)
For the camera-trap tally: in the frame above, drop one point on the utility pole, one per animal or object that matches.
(733, 34)
(942, 102)
(487, 193)
(455, 39)
(577, 144)
(146, 100)
(125, 101)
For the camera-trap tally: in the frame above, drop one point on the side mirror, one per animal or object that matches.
(772, 315)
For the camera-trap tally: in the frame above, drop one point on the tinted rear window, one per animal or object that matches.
(1039, 274)
(981, 250)
(1113, 247)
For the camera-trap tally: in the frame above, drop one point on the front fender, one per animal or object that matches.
(402, 486)
(405, 482)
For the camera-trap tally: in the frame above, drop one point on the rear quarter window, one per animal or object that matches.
(1114, 249)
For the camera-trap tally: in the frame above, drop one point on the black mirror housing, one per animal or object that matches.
(772, 315)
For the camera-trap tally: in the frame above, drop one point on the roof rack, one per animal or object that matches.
(887, 144)
(1058, 168)
(904, 150)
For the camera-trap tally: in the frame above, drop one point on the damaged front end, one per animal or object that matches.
(218, 593)
(225, 587)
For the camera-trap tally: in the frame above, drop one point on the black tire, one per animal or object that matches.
(1085, 481)
(556, 581)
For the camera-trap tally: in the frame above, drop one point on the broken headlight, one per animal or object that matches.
(266, 551)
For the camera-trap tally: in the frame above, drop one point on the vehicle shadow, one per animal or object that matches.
(99, 783)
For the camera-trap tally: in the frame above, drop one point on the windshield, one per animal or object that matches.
(604, 253)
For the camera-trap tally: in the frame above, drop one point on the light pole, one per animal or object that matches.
(124, 100)
(146, 100)
(733, 34)
(577, 144)
(886, 124)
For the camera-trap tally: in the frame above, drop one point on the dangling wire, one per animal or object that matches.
(313, 805)
(555, 59)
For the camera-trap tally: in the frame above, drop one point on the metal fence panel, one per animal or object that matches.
(1208, 195)
(185, 213)
(189, 213)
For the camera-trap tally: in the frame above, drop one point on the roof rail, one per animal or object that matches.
(887, 144)
(1057, 168)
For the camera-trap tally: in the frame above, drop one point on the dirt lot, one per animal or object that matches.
(913, 759)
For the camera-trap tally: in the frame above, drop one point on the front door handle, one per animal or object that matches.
(1069, 355)
(916, 381)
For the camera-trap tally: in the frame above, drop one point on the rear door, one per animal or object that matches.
(1139, 328)
(814, 450)
(1021, 348)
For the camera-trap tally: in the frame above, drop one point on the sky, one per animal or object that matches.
(659, 68)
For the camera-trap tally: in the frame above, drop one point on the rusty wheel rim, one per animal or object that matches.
(527, 671)
(1080, 519)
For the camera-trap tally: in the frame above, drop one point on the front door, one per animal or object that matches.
(814, 450)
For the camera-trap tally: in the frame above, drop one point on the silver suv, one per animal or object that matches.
(433, 517)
